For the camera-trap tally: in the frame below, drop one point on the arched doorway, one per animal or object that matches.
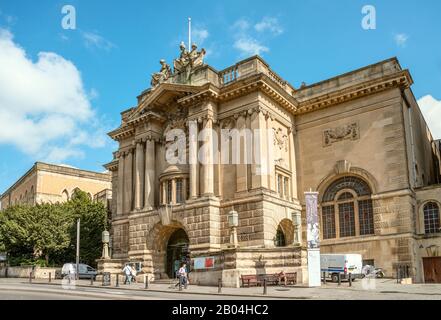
(177, 251)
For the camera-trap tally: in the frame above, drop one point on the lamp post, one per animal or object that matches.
(233, 223)
(106, 240)
(78, 250)
(297, 222)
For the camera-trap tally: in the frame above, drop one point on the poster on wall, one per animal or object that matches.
(203, 263)
(313, 239)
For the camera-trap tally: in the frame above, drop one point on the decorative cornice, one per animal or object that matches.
(398, 80)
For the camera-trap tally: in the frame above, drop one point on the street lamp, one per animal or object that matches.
(106, 240)
(233, 223)
(297, 222)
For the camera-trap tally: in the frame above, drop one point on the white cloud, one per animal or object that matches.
(401, 39)
(44, 107)
(199, 35)
(94, 40)
(249, 40)
(249, 46)
(431, 109)
(269, 24)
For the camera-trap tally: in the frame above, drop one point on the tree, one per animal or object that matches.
(93, 217)
(49, 230)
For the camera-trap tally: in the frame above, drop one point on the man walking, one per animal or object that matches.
(128, 272)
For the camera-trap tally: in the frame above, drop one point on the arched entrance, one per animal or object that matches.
(177, 251)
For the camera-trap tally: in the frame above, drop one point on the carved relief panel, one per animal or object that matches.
(346, 132)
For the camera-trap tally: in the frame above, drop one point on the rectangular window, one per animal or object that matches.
(168, 192)
(279, 185)
(366, 217)
(346, 219)
(286, 187)
(328, 217)
(179, 198)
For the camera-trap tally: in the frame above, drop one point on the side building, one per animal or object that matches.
(55, 183)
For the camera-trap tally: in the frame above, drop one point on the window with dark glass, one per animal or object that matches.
(280, 238)
(179, 191)
(366, 217)
(431, 218)
(169, 192)
(328, 220)
(347, 201)
(346, 219)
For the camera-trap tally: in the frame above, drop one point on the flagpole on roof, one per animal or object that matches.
(189, 33)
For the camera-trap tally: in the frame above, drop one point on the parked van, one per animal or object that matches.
(343, 264)
(84, 271)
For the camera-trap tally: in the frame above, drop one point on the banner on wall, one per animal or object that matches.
(203, 263)
(313, 239)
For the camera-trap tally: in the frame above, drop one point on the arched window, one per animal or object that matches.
(347, 209)
(431, 218)
(280, 240)
(174, 186)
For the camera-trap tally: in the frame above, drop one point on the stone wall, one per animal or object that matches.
(23, 272)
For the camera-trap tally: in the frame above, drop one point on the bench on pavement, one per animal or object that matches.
(249, 280)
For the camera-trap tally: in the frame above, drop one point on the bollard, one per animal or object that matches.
(68, 279)
(219, 285)
(180, 283)
(117, 281)
(50, 277)
(350, 280)
(264, 287)
(91, 280)
(339, 279)
(398, 274)
(146, 281)
(324, 277)
(30, 277)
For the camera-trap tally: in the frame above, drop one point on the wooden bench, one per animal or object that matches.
(249, 280)
(271, 279)
(291, 278)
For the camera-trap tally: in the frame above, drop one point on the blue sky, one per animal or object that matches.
(62, 90)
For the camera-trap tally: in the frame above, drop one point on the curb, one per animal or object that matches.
(187, 292)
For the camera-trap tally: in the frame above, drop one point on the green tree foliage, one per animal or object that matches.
(48, 231)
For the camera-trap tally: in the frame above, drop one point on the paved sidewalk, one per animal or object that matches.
(377, 289)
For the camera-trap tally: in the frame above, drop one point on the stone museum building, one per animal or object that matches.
(358, 139)
(55, 183)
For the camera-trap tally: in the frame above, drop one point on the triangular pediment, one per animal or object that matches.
(163, 95)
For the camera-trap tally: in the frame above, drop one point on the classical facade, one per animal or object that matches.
(359, 139)
(55, 183)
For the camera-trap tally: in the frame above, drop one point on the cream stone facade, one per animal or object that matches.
(51, 183)
(359, 139)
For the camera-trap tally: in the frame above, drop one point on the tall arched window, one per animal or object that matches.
(280, 240)
(347, 209)
(431, 218)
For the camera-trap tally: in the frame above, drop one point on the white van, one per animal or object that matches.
(343, 264)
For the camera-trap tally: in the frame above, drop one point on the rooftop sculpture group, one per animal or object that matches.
(187, 61)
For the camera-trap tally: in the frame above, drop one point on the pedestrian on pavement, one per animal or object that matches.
(133, 272)
(128, 273)
(182, 273)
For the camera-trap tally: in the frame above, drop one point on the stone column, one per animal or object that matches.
(120, 194)
(207, 166)
(128, 181)
(259, 166)
(173, 195)
(139, 175)
(270, 146)
(193, 158)
(292, 161)
(150, 169)
(242, 167)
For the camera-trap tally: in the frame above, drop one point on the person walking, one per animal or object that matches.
(182, 272)
(128, 273)
(133, 271)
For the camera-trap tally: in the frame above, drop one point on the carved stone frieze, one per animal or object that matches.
(346, 132)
